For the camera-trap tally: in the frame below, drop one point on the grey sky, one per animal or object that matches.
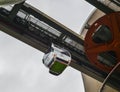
(21, 68)
(71, 13)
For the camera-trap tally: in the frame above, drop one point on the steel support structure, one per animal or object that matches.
(39, 30)
(106, 6)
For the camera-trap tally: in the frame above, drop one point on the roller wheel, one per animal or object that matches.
(104, 37)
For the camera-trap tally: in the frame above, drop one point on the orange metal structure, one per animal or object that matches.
(93, 49)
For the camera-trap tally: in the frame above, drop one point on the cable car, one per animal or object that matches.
(56, 59)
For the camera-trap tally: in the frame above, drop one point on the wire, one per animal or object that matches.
(108, 76)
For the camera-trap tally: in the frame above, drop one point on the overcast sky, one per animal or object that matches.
(21, 68)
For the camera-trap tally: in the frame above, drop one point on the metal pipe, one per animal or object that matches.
(108, 76)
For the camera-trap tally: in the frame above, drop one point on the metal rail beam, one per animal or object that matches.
(100, 6)
(15, 10)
